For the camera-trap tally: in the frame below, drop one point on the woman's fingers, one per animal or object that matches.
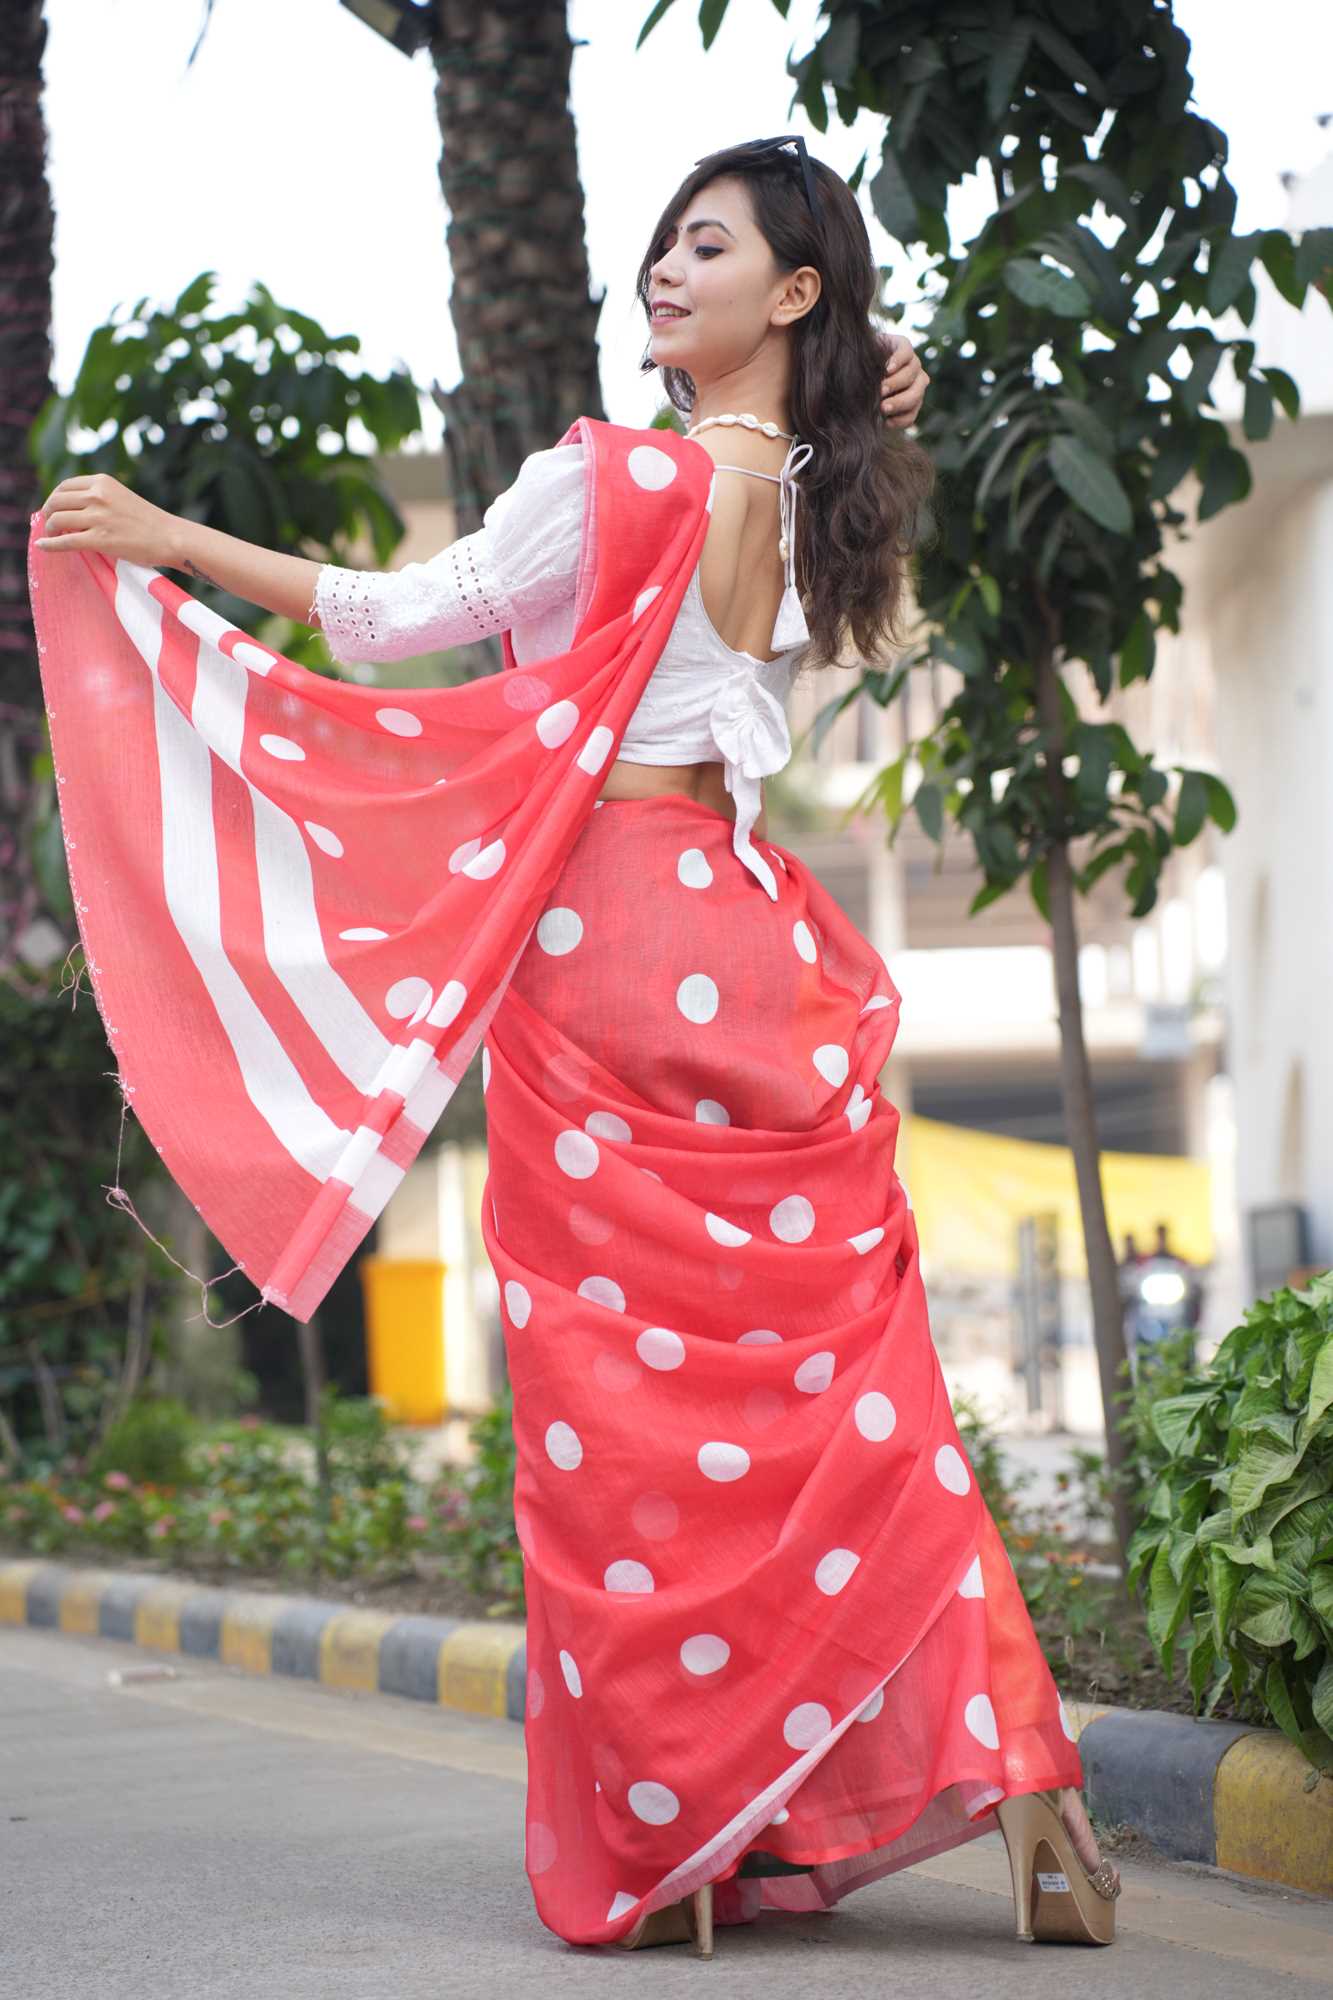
(904, 382)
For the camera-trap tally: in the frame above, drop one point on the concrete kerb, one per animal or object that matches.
(1221, 1793)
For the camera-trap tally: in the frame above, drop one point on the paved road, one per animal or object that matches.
(214, 1837)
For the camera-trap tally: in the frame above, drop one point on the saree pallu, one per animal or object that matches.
(767, 1606)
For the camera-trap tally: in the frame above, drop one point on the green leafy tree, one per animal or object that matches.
(1072, 357)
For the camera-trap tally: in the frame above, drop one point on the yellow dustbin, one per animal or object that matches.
(404, 1299)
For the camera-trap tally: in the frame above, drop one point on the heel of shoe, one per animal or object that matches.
(1020, 1825)
(1056, 1900)
(701, 1918)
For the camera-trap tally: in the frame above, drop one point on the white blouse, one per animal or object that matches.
(518, 573)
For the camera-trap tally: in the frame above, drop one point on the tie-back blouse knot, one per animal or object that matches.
(518, 573)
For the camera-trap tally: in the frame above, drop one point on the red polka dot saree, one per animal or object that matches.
(768, 1611)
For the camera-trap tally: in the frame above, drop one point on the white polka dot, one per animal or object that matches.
(564, 1078)
(704, 1653)
(588, 1226)
(564, 1446)
(859, 1107)
(363, 936)
(556, 723)
(253, 657)
(460, 857)
(594, 752)
(709, 1112)
(616, 1373)
(866, 1240)
(398, 721)
(655, 1516)
(283, 747)
(523, 691)
(872, 1707)
(723, 1461)
(650, 467)
(541, 1851)
(807, 1725)
(760, 1336)
(972, 1584)
(1065, 1722)
(656, 1804)
(633, 1577)
(576, 1154)
(660, 1347)
(722, 1231)
(485, 1068)
(803, 940)
(693, 870)
(450, 1003)
(518, 1301)
(536, 1692)
(950, 1469)
(487, 863)
(323, 838)
(792, 1219)
(559, 931)
(834, 1570)
(815, 1372)
(569, 1668)
(876, 1001)
(832, 1062)
(620, 1902)
(606, 1125)
(644, 599)
(980, 1719)
(406, 996)
(603, 1292)
(696, 997)
(875, 1416)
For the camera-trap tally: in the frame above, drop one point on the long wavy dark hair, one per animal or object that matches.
(865, 493)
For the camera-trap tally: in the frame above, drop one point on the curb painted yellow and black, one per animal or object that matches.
(1217, 1792)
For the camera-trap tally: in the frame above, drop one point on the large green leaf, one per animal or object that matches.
(1047, 289)
(1091, 484)
(1172, 1416)
(1321, 1384)
(1263, 1610)
(1259, 1468)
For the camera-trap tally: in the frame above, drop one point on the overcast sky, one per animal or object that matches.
(301, 149)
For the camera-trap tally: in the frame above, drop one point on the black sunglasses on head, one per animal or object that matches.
(777, 145)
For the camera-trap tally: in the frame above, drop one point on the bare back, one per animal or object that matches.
(741, 582)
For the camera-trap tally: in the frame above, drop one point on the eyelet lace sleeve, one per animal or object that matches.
(520, 564)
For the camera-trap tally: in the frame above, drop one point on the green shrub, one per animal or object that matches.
(1236, 1548)
(150, 1442)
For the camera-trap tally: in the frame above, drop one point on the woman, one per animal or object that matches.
(775, 1646)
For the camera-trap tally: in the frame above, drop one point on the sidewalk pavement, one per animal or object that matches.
(1214, 1792)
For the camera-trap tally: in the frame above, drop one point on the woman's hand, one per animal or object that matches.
(902, 388)
(94, 511)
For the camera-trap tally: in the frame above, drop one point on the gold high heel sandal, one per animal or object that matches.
(689, 1920)
(1056, 1900)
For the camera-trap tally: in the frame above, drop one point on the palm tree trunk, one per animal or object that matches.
(26, 228)
(522, 302)
(1081, 1116)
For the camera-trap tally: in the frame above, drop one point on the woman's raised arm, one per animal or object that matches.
(95, 511)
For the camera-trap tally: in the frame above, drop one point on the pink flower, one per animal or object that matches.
(119, 1482)
(103, 1510)
(163, 1525)
(417, 1523)
(72, 1513)
(218, 1516)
